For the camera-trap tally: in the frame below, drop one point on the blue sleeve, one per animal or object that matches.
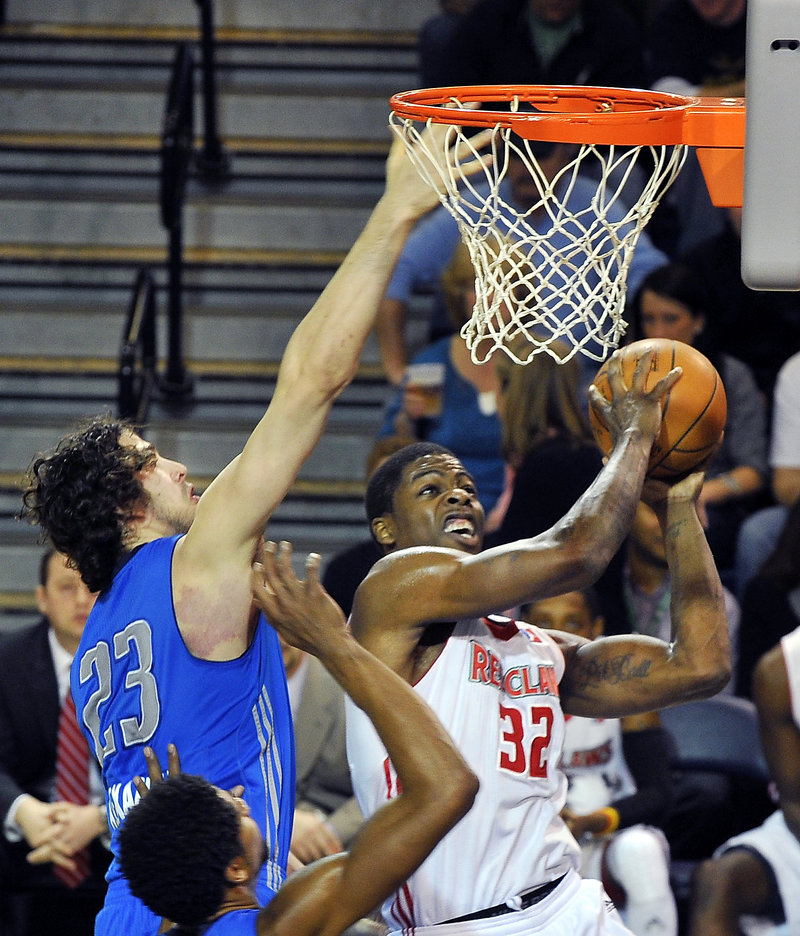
(425, 256)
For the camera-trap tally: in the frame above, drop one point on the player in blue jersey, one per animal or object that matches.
(173, 651)
(191, 851)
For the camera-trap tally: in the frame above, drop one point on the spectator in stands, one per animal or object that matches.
(551, 456)
(589, 42)
(44, 834)
(759, 533)
(759, 327)
(696, 47)
(669, 304)
(449, 399)
(620, 788)
(326, 814)
(432, 244)
(771, 602)
(757, 873)
(346, 570)
(434, 38)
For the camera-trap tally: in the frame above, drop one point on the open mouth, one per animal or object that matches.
(460, 526)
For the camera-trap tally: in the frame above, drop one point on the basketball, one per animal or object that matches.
(693, 411)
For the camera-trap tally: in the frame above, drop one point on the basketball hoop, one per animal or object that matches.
(554, 266)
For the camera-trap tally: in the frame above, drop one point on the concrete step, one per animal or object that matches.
(400, 15)
(225, 392)
(221, 220)
(230, 269)
(42, 51)
(45, 159)
(303, 115)
(96, 107)
(38, 407)
(248, 329)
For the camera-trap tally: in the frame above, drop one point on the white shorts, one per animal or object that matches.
(574, 908)
(781, 850)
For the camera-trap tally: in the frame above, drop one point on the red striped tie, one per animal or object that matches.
(72, 782)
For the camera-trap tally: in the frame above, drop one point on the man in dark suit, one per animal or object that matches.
(40, 832)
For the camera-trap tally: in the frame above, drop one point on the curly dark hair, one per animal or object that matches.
(384, 482)
(175, 845)
(83, 495)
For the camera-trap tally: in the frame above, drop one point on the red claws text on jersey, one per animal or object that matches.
(518, 681)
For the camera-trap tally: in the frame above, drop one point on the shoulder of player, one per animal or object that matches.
(399, 584)
(390, 575)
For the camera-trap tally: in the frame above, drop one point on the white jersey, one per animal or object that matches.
(773, 839)
(495, 689)
(594, 763)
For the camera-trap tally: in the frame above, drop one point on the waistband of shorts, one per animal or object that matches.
(521, 902)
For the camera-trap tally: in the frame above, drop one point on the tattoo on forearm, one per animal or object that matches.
(674, 529)
(615, 670)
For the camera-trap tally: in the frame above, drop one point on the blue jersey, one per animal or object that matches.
(136, 684)
(235, 923)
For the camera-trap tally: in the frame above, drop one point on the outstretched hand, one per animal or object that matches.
(302, 612)
(634, 406)
(404, 181)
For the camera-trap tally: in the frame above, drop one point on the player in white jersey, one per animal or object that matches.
(619, 782)
(752, 884)
(425, 513)
(498, 681)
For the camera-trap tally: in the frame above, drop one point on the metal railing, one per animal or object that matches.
(178, 159)
(177, 148)
(137, 358)
(213, 164)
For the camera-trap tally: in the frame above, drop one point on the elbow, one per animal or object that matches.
(316, 376)
(713, 678)
(585, 558)
(713, 683)
(331, 375)
(457, 800)
(721, 677)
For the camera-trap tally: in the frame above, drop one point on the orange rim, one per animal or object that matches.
(578, 114)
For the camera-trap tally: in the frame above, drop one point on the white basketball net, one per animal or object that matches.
(544, 270)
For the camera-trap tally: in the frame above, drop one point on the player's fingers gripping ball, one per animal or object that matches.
(693, 412)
